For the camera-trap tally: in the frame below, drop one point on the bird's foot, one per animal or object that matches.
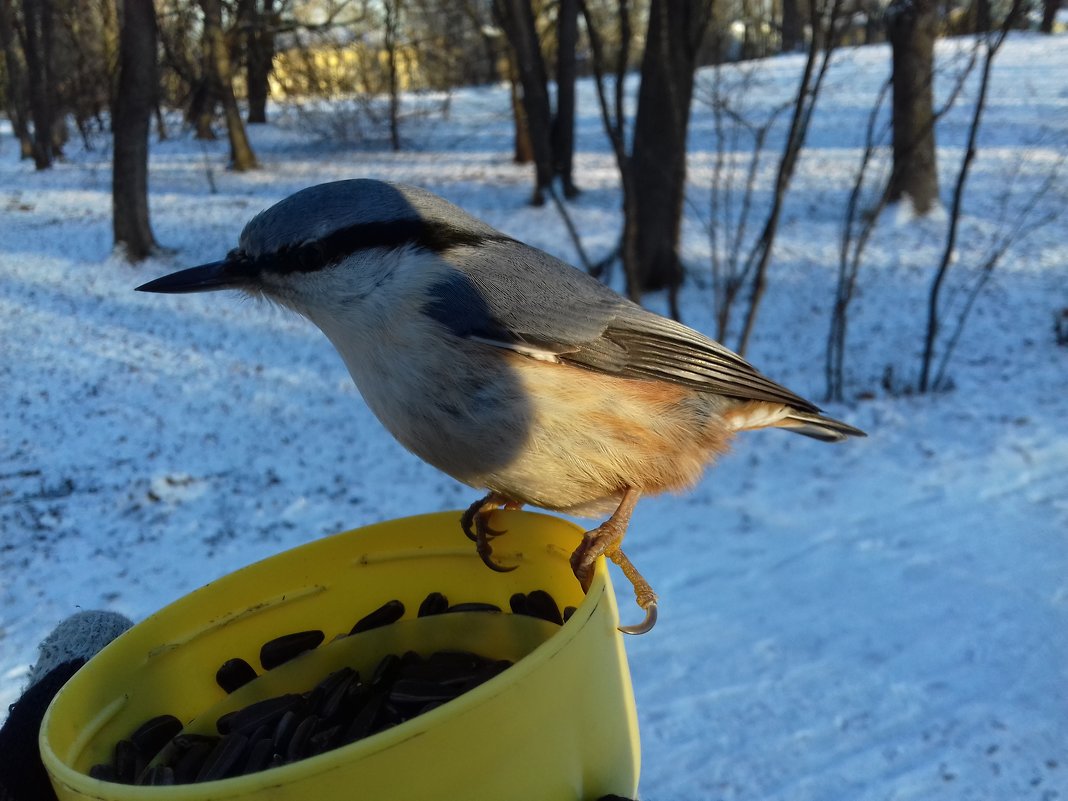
(643, 594)
(605, 540)
(475, 523)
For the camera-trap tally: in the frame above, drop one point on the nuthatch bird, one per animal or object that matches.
(501, 365)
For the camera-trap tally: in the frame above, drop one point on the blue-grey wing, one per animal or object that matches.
(507, 293)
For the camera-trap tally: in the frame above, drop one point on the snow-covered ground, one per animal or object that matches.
(884, 619)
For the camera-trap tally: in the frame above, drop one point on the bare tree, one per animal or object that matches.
(219, 80)
(857, 229)
(737, 130)
(259, 55)
(563, 124)
(392, 32)
(912, 27)
(823, 39)
(38, 27)
(792, 29)
(992, 42)
(134, 103)
(15, 89)
(658, 159)
(516, 18)
(1049, 13)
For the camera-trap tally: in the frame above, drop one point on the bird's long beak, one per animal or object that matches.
(205, 278)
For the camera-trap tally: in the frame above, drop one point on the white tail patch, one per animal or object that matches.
(749, 416)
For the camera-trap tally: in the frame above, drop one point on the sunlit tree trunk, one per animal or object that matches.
(219, 80)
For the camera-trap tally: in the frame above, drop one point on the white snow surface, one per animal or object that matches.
(881, 619)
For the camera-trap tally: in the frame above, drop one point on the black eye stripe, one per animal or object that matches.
(336, 246)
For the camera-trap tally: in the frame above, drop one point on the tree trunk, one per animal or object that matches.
(202, 106)
(134, 104)
(516, 17)
(792, 30)
(37, 19)
(1049, 12)
(219, 79)
(658, 159)
(563, 127)
(260, 52)
(524, 149)
(15, 90)
(911, 27)
(393, 11)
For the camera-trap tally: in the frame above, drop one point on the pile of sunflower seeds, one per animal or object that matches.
(341, 709)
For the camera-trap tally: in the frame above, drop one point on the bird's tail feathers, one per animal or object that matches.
(815, 425)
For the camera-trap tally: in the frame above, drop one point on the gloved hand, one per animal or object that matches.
(67, 648)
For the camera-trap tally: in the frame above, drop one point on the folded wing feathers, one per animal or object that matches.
(648, 346)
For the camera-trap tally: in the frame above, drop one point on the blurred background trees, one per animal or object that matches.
(358, 72)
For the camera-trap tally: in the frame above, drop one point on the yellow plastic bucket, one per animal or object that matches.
(559, 725)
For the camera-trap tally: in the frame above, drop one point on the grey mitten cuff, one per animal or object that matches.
(80, 636)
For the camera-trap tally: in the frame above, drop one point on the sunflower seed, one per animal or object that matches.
(234, 674)
(281, 649)
(541, 604)
(224, 759)
(389, 612)
(434, 604)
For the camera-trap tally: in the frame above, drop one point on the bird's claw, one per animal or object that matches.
(646, 625)
(473, 522)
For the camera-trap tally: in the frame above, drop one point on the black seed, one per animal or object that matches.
(281, 649)
(386, 670)
(474, 606)
(102, 772)
(334, 703)
(364, 722)
(128, 762)
(157, 775)
(323, 740)
(518, 604)
(234, 673)
(261, 733)
(298, 744)
(259, 756)
(389, 612)
(225, 722)
(541, 604)
(224, 760)
(568, 612)
(189, 763)
(186, 740)
(153, 734)
(263, 713)
(283, 731)
(433, 604)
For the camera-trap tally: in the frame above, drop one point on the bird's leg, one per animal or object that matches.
(605, 541)
(475, 524)
(643, 593)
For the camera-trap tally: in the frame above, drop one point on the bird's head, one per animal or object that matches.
(327, 248)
